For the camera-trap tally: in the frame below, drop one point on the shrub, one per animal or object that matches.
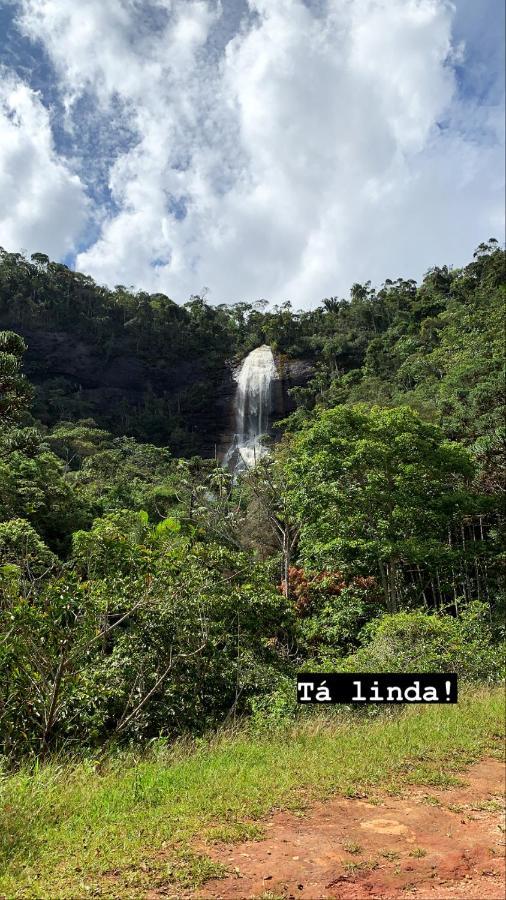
(404, 642)
(417, 642)
(332, 611)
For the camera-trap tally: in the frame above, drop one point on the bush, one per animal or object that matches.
(332, 610)
(404, 642)
(417, 642)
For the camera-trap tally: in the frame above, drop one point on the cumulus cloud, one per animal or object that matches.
(43, 202)
(321, 144)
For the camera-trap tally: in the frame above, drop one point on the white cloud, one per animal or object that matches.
(43, 204)
(307, 155)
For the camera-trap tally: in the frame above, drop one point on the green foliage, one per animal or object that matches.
(402, 642)
(161, 638)
(22, 549)
(372, 488)
(438, 348)
(47, 637)
(113, 545)
(76, 441)
(125, 475)
(33, 486)
(333, 612)
(15, 391)
(116, 824)
(417, 642)
(144, 595)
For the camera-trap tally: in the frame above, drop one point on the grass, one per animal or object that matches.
(233, 833)
(365, 865)
(351, 847)
(119, 827)
(391, 855)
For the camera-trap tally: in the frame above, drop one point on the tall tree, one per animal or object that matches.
(374, 490)
(15, 390)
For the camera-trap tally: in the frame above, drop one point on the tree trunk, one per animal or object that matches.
(392, 584)
(286, 560)
(384, 584)
(53, 705)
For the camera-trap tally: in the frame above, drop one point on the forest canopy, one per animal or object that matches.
(144, 591)
(141, 365)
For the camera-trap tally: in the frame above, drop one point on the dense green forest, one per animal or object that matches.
(144, 591)
(142, 366)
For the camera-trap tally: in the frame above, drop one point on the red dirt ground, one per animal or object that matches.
(431, 843)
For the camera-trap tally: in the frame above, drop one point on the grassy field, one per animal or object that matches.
(121, 826)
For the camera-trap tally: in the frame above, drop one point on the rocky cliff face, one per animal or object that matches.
(188, 406)
(292, 373)
(62, 355)
(181, 405)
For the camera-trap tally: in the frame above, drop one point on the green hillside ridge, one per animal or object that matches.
(142, 365)
(145, 594)
(155, 610)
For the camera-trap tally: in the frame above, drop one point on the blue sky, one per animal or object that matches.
(281, 149)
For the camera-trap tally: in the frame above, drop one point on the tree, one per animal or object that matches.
(22, 547)
(375, 490)
(267, 484)
(75, 441)
(15, 390)
(33, 486)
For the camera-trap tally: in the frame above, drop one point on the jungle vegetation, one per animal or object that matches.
(144, 592)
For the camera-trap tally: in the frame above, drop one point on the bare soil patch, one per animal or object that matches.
(431, 843)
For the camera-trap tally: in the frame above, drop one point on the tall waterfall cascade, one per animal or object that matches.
(252, 408)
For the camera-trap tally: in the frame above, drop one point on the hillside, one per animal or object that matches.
(376, 520)
(141, 365)
(155, 608)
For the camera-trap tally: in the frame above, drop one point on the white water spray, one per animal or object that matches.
(252, 408)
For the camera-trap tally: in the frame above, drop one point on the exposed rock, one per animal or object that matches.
(188, 406)
(183, 405)
(292, 373)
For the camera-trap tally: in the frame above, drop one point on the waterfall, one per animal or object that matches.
(252, 408)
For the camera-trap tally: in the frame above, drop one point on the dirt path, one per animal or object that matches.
(430, 844)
